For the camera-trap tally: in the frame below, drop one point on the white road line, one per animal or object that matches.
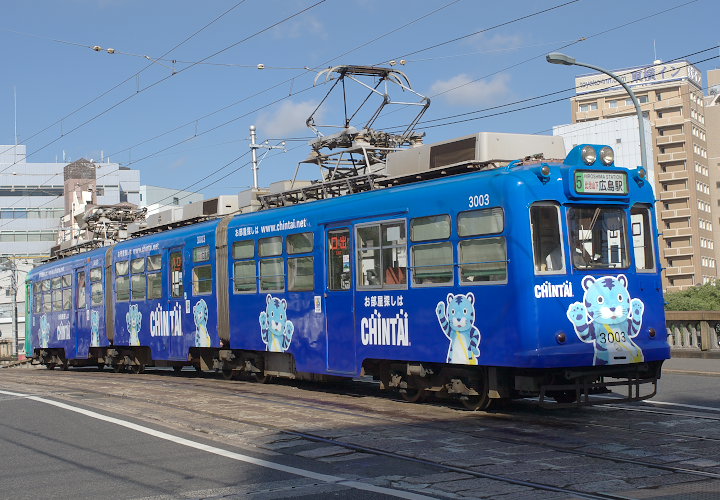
(327, 478)
(694, 407)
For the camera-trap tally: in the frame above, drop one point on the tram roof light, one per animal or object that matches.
(560, 58)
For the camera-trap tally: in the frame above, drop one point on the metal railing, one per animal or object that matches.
(694, 333)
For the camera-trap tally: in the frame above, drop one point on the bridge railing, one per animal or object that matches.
(694, 333)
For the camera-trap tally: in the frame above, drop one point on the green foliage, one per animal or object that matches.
(698, 298)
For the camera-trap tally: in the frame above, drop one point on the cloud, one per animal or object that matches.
(464, 90)
(308, 25)
(289, 118)
(496, 42)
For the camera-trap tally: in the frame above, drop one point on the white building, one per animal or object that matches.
(31, 207)
(621, 134)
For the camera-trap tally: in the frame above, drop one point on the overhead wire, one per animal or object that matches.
(157, 82)
(134, 75)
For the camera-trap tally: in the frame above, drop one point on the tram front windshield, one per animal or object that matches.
(598, 237)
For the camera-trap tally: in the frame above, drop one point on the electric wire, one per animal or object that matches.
(157, 82)
(134, 75)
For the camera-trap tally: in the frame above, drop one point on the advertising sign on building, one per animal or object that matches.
(643, 75)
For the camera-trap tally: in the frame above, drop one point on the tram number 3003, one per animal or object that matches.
(478, 200)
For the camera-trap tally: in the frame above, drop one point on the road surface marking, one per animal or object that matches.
(327, 478)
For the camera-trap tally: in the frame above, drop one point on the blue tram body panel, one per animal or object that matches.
(341, 281)
(178, 310)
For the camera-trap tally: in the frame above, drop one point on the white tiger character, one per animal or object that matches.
(275, 329)
(457, 322)
(608, 319)
(200, 314)
(44, 332)
(134, 323)
(94, 329)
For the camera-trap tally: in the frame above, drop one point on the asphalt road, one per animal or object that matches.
(691, 382)
(50, 452)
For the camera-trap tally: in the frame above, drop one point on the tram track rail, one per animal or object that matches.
(352, 446)
(385, 416)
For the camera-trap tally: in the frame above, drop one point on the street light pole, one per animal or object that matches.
(560, 58)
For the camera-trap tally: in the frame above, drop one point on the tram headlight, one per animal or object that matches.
(589, 155)
(607, 155)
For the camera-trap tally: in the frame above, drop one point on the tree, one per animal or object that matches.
(698, 298)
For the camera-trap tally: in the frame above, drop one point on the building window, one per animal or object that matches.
(588, 106)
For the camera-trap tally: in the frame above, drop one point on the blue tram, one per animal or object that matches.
(537, 277)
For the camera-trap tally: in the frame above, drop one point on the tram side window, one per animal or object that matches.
(96, 287)
(432, 262)
(81, 290)
(382, 255)
(47, 295)
(138, 283)
(339, 274)
(245, 268)
(154, 277)
(177, 289)
(272, 270)
(483, 261)
(644, 253)
(481, 222)
(301, 269)
(547, 238)
(122, 281)
(202, 280)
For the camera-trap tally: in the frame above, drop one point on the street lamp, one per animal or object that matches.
(560, 58)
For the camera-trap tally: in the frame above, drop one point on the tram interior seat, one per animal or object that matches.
(395, 276)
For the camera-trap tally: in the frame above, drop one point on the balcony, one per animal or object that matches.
(672, 176)
(679, 194)
(678, 252)
(680, 271)
(673, 102)
(668, 157)
(680, 213)
(671, 120)
(680, 232)
(664, 140)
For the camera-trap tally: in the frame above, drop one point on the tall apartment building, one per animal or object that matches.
(672, 99)
(712, 125)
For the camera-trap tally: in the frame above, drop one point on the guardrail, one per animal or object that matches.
(694, 333)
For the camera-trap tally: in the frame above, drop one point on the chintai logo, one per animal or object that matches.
(549, 290)
(166, 323)
(392, 330)
(63, 332)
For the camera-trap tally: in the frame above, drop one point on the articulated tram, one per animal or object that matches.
(459, 275)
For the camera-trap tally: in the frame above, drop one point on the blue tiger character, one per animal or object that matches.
(94, 329)
(609, 320)
(457, 322)
(134, 322)
(275, 329)
(44, 332)
(200, 314)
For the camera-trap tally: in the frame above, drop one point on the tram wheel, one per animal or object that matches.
(197, 368)
(101, 366)
(119, 368)
(261, 378)
(482, 400)
(65, 366)
(413, 394)
(564, 397)
(177, 369)
(50, 366)
(140, 368)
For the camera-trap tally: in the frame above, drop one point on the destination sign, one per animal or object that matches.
(601, 182)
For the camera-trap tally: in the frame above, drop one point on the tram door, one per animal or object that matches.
(81, 321)
(176, 299)
(339, 307)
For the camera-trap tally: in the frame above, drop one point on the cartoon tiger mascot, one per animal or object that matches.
(275, 329)
(457, 320)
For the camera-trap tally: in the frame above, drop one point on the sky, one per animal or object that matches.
(178, 93)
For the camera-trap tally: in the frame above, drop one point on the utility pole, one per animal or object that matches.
(8, 264)
(254, 146)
